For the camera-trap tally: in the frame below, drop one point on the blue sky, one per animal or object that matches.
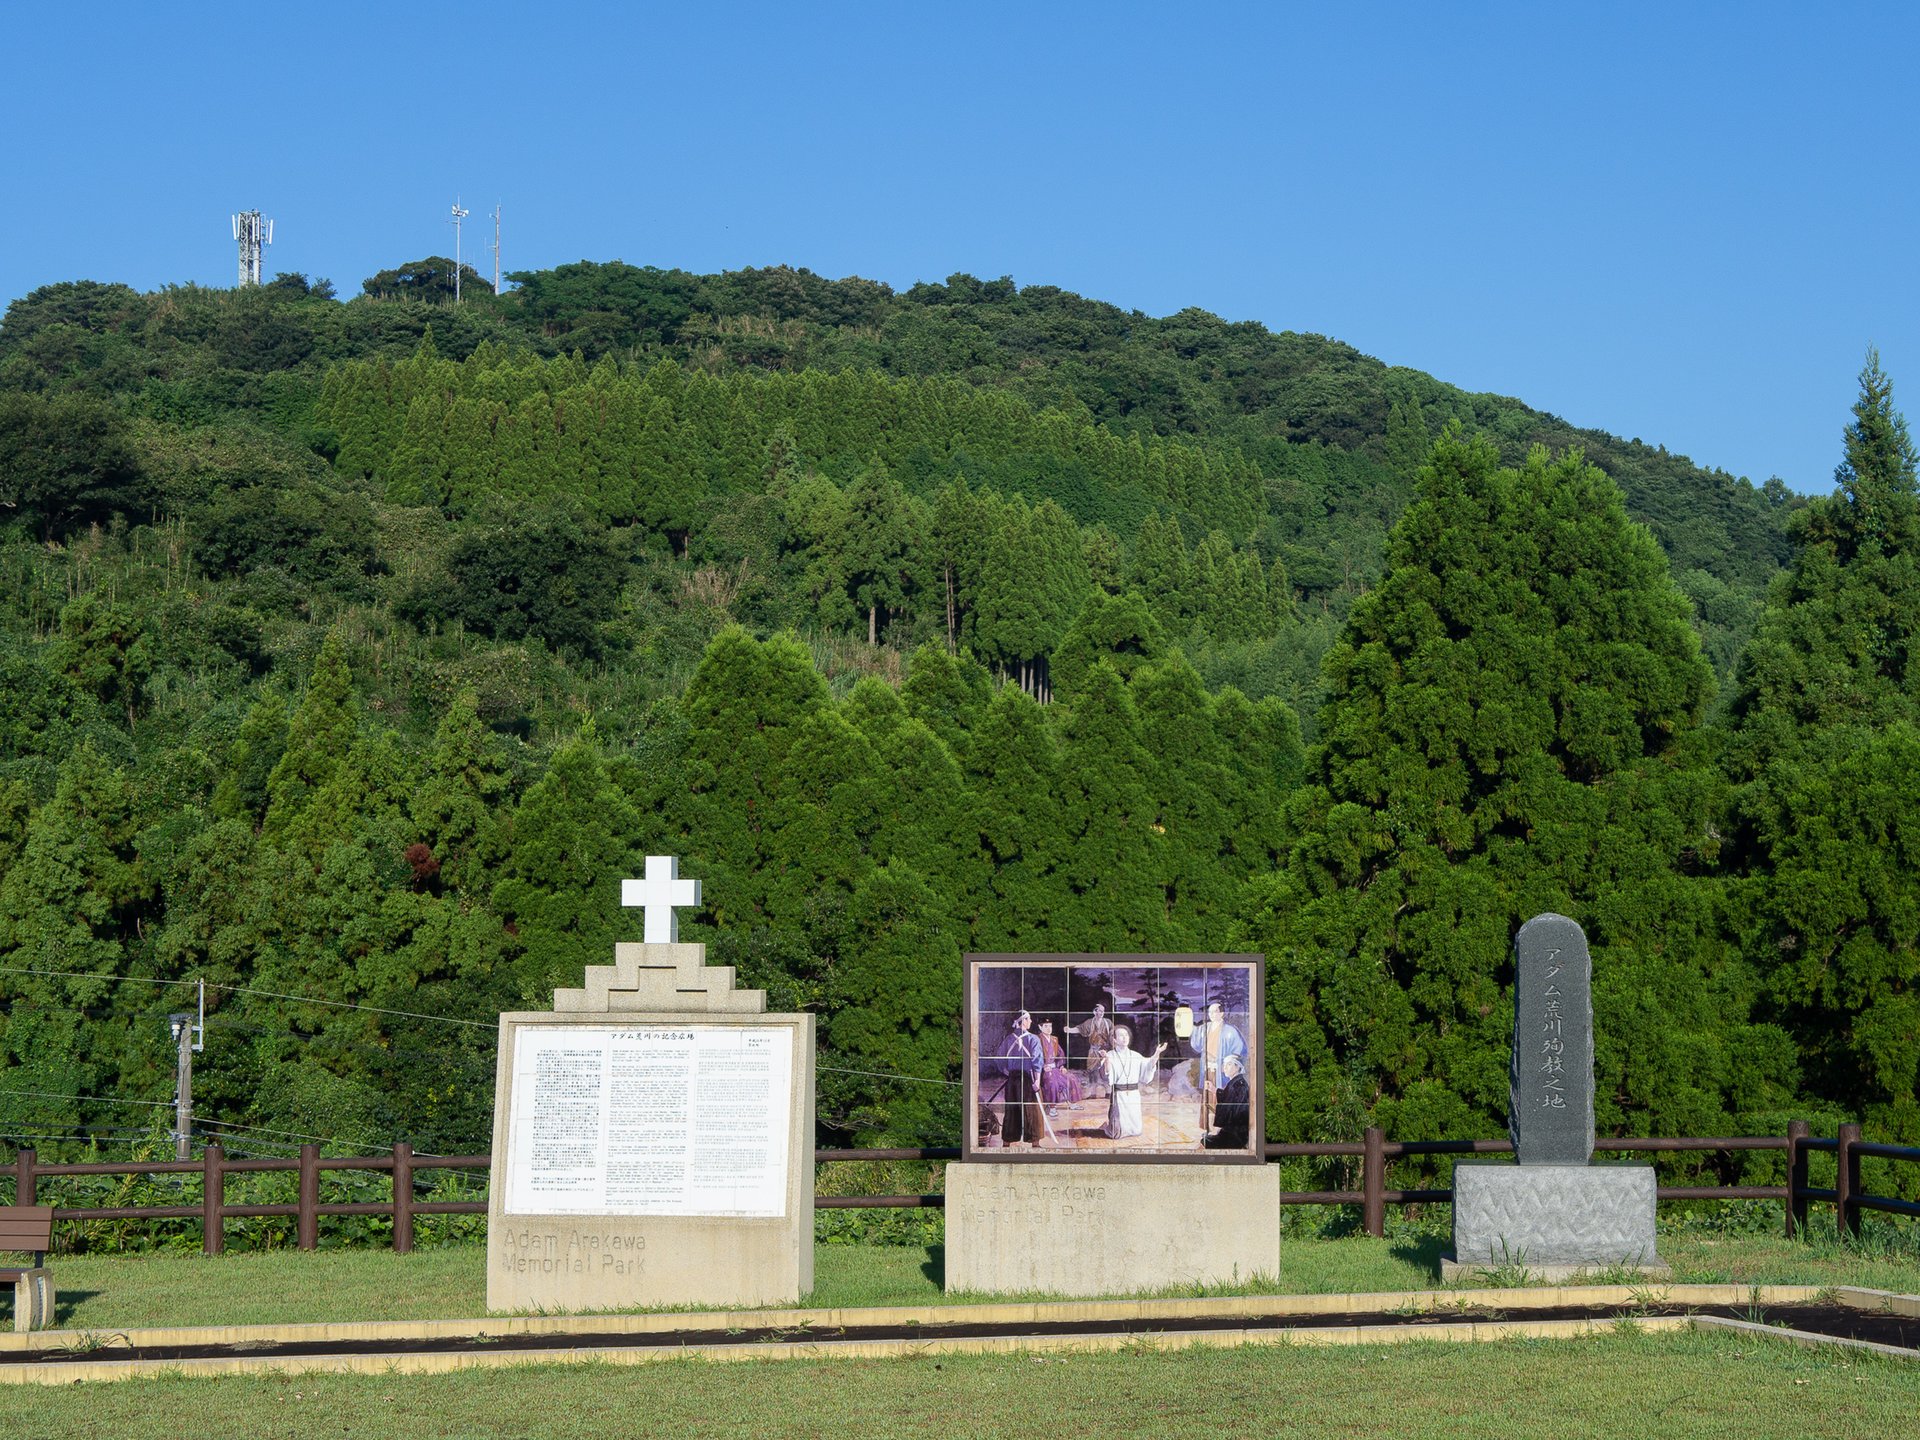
(1683, 223)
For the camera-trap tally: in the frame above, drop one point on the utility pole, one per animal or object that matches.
(458, 216)
(496, 249)
(189, 1035)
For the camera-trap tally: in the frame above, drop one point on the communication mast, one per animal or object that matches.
(496, 249)
(458, 216)
(252, 232)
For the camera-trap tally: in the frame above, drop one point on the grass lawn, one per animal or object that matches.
(99, 1292)
(1702, 1386)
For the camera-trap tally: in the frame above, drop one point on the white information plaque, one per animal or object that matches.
(650, 1120)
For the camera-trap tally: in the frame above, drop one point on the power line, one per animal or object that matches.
(91, 1137)
(244, 990)
(297, 1135)
(380, 1010)
(323, 1139)
(90, 1099)
(350, 1005)
(886, 1075)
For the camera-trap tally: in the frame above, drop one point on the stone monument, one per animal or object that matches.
(1554, 1211)
(1090, 1167)
(652, 1134)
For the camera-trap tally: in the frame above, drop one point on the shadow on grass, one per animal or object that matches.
(65, 1302)
(1424, 1253)
(935, 1268)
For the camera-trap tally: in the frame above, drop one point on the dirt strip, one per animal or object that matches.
(1831, 1319)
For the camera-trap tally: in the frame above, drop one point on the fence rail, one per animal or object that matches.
(1373, 1152)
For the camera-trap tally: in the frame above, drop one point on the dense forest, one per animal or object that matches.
(352, 651)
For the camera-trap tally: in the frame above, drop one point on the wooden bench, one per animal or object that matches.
(28, 1228)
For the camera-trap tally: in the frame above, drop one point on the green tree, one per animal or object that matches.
(1014, 773)
(947, 693)
(569, 843)
(743, 712)
(878, 546)
(430, 280)
(103, 649)
(66, 462)
(1110, 851)
(320, 738)
(243, 788)
(1511, 727)
(1032, 586)
(896, 1000)
(77, 896)
(1117, 629)
(453, 808)
(544, 574)
(1825, 740)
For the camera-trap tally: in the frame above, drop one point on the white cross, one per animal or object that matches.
(658, 896)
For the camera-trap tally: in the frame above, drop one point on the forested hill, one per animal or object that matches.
(353, 650)
(1333, 436)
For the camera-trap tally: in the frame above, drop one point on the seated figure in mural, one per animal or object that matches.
(1231, 1108)
(1128, 1072)
(1058, 1085)
(1214, 1043)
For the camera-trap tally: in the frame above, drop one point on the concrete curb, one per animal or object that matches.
(74, 1371)
(1000, 1312)
(1802, 1337)
(1889, 1301)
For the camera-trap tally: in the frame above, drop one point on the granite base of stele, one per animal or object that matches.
(1108, 1229)
(1556, 1222)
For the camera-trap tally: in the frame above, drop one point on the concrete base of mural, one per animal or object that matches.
(1559, 1218)
(1108, 1229)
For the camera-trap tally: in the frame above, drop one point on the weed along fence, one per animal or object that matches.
(1373, 1153)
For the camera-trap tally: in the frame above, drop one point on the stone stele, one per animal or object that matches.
(1554, 1213)
(1108, 1229)
(578, 1262)
(1550, 1105)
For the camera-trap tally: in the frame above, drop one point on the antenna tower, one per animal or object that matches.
(458, 216)
(496, 249)
(252, 232)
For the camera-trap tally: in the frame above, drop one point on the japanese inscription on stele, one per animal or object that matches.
(1551, 1110)
(650, 1120)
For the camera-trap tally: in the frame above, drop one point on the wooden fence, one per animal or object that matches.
(1373, 1197)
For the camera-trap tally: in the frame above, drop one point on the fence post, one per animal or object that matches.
(402, 1198)
(1846, 1183)
(213, 1199)
(307, 1225)
(1373, 1182)
(23, 1176)
(1796, 1179)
